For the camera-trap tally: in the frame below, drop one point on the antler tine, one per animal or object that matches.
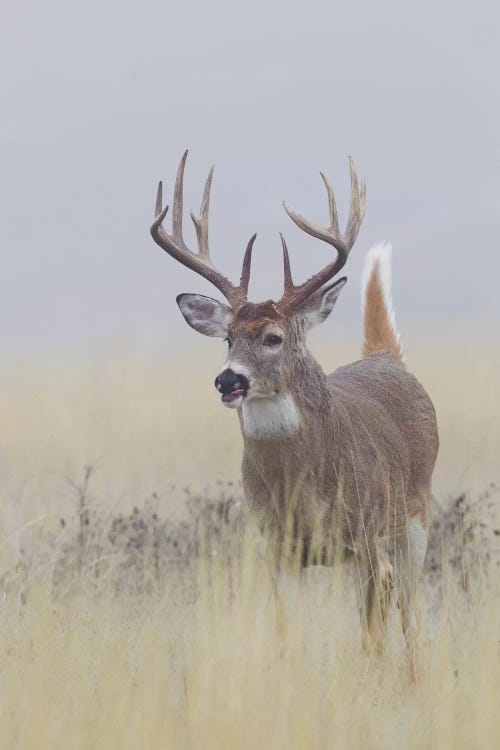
(245, 270)
(293, 295)
(200, 262)
(287, 271)
(334, 219)
(159, 200)
(178, 205)
(357, 206)
(201, 224)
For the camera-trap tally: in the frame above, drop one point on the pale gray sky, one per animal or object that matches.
(101, 98)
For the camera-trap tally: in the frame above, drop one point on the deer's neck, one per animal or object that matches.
(263, 418)
(300, 407)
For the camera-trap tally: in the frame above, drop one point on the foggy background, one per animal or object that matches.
(100, 99)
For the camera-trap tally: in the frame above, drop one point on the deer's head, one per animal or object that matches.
(265, 340)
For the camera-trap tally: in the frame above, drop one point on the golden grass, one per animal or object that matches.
(208, 671)
(201, 666)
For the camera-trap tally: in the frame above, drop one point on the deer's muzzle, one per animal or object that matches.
(232, 386)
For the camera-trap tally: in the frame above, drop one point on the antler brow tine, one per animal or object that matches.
(287, 271)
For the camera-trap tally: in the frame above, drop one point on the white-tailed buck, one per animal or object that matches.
(343, 461)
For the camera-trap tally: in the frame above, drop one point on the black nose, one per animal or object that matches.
(228, 381)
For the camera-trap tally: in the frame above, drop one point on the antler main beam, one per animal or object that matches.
(200, 262)
(293, 295)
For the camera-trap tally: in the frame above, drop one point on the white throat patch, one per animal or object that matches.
(269, 417)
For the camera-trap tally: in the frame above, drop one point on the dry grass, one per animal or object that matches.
(125, 628)
(200, 666)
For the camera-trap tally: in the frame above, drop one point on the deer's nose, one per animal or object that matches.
(229, 381)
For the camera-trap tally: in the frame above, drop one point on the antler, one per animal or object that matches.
(201, 261)
(293, 295)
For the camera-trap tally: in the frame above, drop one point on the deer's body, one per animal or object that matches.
(335, 463)
(359, 462)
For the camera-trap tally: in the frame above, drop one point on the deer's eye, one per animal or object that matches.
(272, 340)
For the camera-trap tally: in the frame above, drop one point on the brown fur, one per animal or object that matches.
(360, 463)
(253, 318)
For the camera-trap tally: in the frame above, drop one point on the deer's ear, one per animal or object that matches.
(319, 305)
(204, 314)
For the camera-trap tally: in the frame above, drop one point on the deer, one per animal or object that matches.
(341, 463)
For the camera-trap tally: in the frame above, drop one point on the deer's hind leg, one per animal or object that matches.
(411, 546)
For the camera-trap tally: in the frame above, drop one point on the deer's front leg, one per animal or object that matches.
(281, 620)
(262, 503)
(374, 588)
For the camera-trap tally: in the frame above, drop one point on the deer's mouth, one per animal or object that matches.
(234, 398)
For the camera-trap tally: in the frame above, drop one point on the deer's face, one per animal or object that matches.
(266, 341)
(264, 346)
(259, 343)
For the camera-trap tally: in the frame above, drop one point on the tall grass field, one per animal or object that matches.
(135, 607)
